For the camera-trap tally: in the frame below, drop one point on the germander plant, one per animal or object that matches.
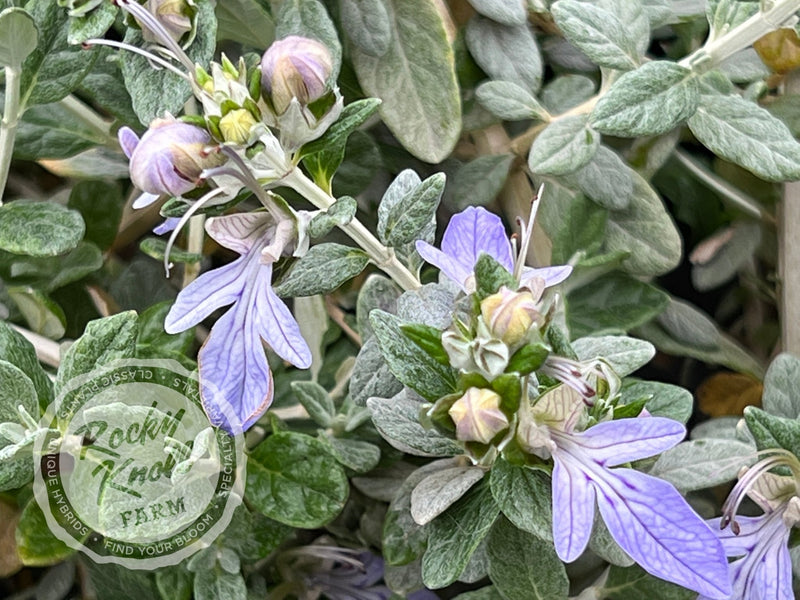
(466, 418)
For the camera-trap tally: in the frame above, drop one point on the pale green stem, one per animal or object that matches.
(789, 252)
(194, 244)
(8, 126)
(732, 194)
(89, 118)
(383, 257)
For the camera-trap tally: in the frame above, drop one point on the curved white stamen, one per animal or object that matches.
(148, 55)
(527, 234)
(185, 219)
(146, 19)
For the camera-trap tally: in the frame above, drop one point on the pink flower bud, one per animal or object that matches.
(477, 416)
(295, 67)
(509, 315)
(169, 158)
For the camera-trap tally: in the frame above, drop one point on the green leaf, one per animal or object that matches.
(397, 420)
(524, 497)
(368, 25)
(572, 222)
(104, 340)
(371, 375)
(246, 22)
(563, 147)
(490, 276)
(607, 37)
(104, 86)
(780, 387)
(16, 389)
(724, 15)
(701, 464)
(509, 101)
(309, 18)
(606, 179)
(567, 91)
(39, 228)
(20, 352)
(624, 354)
(377, 292)
(770, 431)
(36, 545)
(52, 273)
(408, 362)
(112, 582)
(151, 332)
(55, 68)
(479, 181)
(402, 219)
(506, 53)
(293, 479)
(93, 25)
(316, 401)
(613, 303)
(454, 535)
(174, 583)
(528, 358)
(646, 231)
(742, 132)
(421, 104)
(428, 338)
(218, 584)
(524, 565)
(653, 99)
(728, 259)
(662, 399)
(503, 11)
(156, 248)
(440, 490)
(43, 316)
(324, 268)
(18, 36)
(633, 583)
(485, 593)
(340, 213)
(154, 91)
(357, 455)
(100, 204)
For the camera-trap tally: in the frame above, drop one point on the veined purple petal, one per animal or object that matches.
(239, 231)
(473, 231)
(275, 323)
(207, 293)
(573, 508)
(551, 275)
(233, 360)
(652, 522)
(738, 545)
(450, 266)
(613, 443)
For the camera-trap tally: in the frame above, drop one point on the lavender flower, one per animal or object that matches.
(168, 159)
(471, 232)
(295, 67)
(232, 359)
(646, 516)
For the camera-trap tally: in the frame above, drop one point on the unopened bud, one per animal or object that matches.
(169, 158)
(295, 67)
(477, 416)
(235, 126)
(483, 355)
(173, 16)
(509, 315)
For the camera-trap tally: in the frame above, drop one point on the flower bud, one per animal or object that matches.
(477, 416)
(235, 126)
(509, 315)
(173, 16)
(169, 158)
(483, 355)
(295, 67)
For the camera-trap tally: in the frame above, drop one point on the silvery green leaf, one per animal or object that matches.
(742, 132)
(310, 19)
(311, 316)
(485, 593)
(524, 496)
(561, 54)
(506, 53)
(656, 97)
(507, 12)
(403, 216)
(246, 22)
(455, 535)
(367, 24)
(321, 270)
(770, 431)
(39, 228)
(340, 213)
(51, 131)
(563, 147)
(397, 419)
(93, 25)
(601, 30)
(478, 566)
(57, 582)
(744, 67)
(404, 579)
(316, 401)
(16, 389)
(567, 91)
(421, 103)
(41, 313)
(216, 584)
(371, 375)
(383, 484)
(626, 583)
(787, 109)
(602, 544)
(723, 428)
(663, 399)
(432, 304)
(724, 15)
(479, 181)
(572, 222)
(646, 230)
(606, 179)
(438, 491)
(523, 565)
(704, 463)
(20, 352)
(377, 292)
(624, 354)
(509, 101)
(780, 387)
(18, 36)
(726, 260)
(358, 455)
(659, 12)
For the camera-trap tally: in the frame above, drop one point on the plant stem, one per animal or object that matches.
(789, 252)
(382, 256)
(8, 126)
(194, 244)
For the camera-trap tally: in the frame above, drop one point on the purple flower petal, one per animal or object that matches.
(128, 140)
(233, 361)
(613, 443)
(239, 231)
(168, 225)
(573, 508)
(145, 199)
(652, 522)
(448, 265)
(275, 323)
(551, 275)
(207, 293)
(473, 231)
